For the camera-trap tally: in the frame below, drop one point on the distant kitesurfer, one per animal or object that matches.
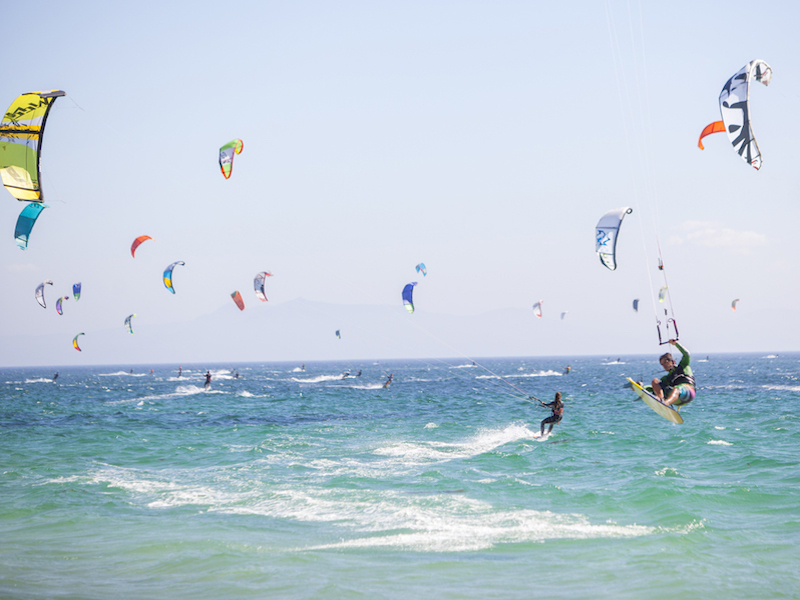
(389, 381)
(359, 373)
(567, 370)
(557, 406)
(236, 375)
(346, 374)
(180, 371)
(302, 367)
(677, 386)
(131, 371)
(55, 376)
(208, 380)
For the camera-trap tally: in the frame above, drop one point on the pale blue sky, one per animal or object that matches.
(485, 139)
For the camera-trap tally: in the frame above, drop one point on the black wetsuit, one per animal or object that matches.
(558, 413)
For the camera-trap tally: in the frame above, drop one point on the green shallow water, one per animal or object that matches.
(295, 484)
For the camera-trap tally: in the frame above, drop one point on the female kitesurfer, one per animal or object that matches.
(677, 386)
(557, 406)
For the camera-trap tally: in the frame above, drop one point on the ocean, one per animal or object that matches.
(291, 483)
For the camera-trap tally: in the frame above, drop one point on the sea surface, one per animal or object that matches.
(291, 483)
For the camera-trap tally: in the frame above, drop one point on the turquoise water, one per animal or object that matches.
(292, 484)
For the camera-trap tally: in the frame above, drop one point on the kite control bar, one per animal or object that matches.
(674, 325)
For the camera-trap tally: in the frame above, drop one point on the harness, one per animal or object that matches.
(677, 377)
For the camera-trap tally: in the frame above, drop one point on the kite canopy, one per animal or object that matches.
(128, 322)
(734, 303)
(636, 305)
(606, 233)
(58, 304)
(715, 127)
(338, 334)
(40, 292)
(564, 314)
(137, 242)
(421, 267)
(408, 292)
(21, 132)
(537, 308)
(76, 291)
(168, 275)
(25, 222)
(734, 104)
(258, 284)
(75, 342)
(226, 156)
(237, 298)
(662, 293)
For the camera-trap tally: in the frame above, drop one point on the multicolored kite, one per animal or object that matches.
(128, 322)
(237, 298)
(408, 292)
(26, 221)
(605, 234)
(258, 284)
(168, 275)
(75, 342)
(226, 156)
(40, 292)
(137, 242)
(58, 304)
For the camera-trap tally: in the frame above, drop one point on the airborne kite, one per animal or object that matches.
(58, 304)
(168, 275)
(408, 292)
(40, 292)
(258, 284)
(606, 232)
(734, 303)
(226, 156)
(734, 105)
(537, 308)
(26, 221)
(137, 242)
(75, 342)
(21, 132)
(662, 293)
(76, 291)
(636, 305)
(237, 298)
(128, 322)
(421, 267)
(338, 334)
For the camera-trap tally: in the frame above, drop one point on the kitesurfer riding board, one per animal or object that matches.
(657, 405)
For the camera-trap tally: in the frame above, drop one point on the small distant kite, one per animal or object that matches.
(75, 342)
(564, 314)
(606, 232)
(421, 269)
(408, 293)
(168, 275)
(537, 308)
(25, 222)
(662, 293)
(338, 334)
(76, 291)
(237, 298)
(258, 284)
(226, 154)
(137, 242)
(734, 303)
(128, 322)
(734, 105)
(58, 304)
(636, 305)
(40, 292)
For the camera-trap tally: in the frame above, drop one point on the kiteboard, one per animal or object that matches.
(657, 405)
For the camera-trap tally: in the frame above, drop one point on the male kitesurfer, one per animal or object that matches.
(389, 381)
(557, 406)
(55, 376)
(208, 380)
(677, 386)
(180, 371)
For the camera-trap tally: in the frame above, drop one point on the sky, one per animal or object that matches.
(484, 139)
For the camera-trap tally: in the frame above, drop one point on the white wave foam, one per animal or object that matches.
(40, 380)
(431, 426)
(368, 386)
(783, 388)
(122, 373)
(719, 443)
(318, 379)
(464, 366)
(484, 441)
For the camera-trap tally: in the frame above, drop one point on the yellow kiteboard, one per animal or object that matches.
(657, 405)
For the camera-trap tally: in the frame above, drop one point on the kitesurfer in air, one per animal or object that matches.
(208, 380)
(388, 381)
(55, 376)
(557, 406)
(677, 386)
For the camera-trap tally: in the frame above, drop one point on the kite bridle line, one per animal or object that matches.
(627, 107)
